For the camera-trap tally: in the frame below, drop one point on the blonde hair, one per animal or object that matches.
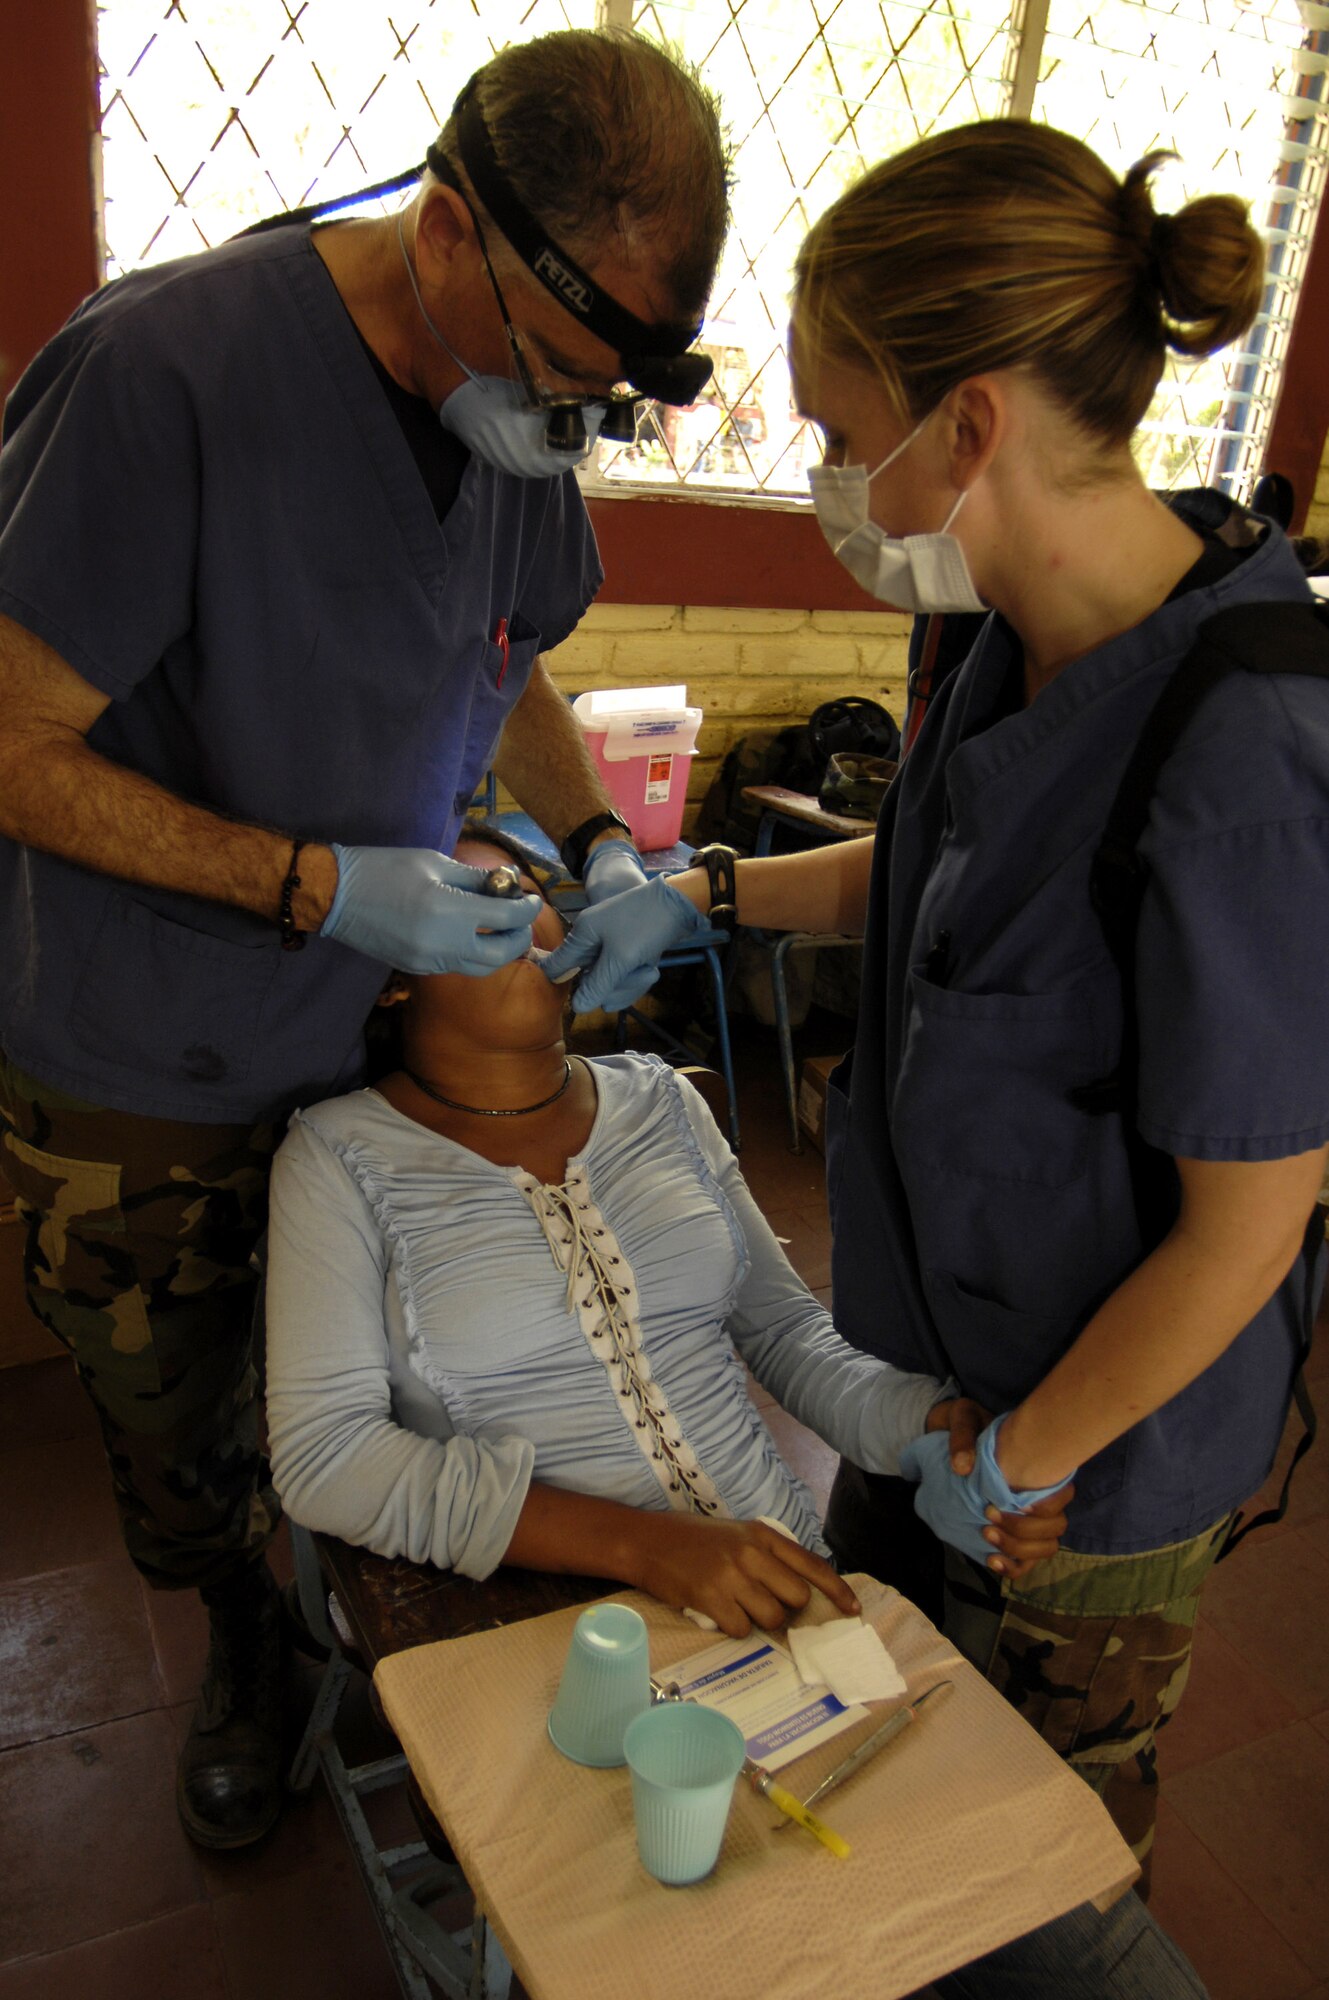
(1005, 244)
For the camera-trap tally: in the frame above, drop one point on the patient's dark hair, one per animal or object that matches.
(473, 828)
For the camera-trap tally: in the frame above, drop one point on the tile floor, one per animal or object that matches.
(103, 1895)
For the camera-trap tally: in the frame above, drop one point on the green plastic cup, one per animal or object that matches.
(684, 1760)
(606, 1681)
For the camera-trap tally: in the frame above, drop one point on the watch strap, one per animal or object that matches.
(575, 848)
(720, 863)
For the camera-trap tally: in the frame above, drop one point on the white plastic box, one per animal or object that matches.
(641, 740)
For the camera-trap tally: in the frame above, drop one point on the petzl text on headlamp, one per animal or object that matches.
(653, 357)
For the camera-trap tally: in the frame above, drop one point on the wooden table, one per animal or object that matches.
(801, 811)
(467, 1670)
(969, 1831)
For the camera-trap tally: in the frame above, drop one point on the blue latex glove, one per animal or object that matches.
(612, 867)
(620, 943)
(955, 1508)
(420, 912)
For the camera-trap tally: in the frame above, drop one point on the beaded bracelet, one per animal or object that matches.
(291, 938)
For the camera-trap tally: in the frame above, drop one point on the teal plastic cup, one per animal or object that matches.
(606, 1682)
(684, 1760)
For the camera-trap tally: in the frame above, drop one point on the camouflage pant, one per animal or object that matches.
(1094, 1651)
(139, 1236)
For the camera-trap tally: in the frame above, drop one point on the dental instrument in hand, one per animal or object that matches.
(505, 882)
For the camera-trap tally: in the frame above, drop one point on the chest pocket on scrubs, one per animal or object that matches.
(499, 685)
(982, 1089)
(181, 1002)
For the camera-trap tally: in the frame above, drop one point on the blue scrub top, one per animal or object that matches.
(208, 508)
(980, 1218)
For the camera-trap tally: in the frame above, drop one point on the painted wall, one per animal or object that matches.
(48, 237)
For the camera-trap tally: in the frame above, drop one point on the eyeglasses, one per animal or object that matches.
(565, 429)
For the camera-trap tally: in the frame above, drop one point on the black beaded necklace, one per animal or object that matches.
(484, 1111)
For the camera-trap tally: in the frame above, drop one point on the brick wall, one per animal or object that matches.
(745, 669)
(1317, 518)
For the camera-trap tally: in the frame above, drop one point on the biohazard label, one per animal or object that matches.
(658, 774)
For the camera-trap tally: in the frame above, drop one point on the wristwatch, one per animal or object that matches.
(719, 862)
(575, 848)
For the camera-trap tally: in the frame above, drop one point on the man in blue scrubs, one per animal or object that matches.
(282, 537)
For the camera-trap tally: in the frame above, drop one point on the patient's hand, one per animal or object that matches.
(1018, 1541)
(1021, 1540)
(740, 1573)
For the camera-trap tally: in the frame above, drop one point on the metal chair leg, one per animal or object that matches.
(780, 1000)
(719, 992)
(331, 1688)
(678, 1051)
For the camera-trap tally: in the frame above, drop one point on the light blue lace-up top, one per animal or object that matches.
(443, 1331)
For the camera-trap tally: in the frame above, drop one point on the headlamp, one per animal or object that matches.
(656, 358)
(653, 355)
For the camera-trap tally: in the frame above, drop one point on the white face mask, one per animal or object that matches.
(490, 415)
(916, 572)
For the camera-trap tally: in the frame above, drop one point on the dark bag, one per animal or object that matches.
(850, 724)
(854, 785)
(795, 757)
(1282, 638)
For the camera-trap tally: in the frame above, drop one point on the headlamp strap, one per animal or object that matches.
(558, 272)
(288, 217)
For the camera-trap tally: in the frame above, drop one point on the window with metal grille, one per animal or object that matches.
(214, 114)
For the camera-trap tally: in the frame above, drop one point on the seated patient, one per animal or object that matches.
(509, 1298)
(508, 1295)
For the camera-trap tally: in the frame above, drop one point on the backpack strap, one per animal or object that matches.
(921, 673)
(939, 642)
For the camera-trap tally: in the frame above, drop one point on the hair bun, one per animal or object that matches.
(1205, 263)
(1211, 274)
(1160, 240)
(1064, 266)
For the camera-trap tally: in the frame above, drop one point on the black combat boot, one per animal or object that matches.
(230, 1779)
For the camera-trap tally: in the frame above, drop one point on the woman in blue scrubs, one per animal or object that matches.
(979, 327)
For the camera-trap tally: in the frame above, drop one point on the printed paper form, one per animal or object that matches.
(756, 1684)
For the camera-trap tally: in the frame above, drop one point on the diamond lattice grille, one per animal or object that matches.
(1232, 88)
(214, 114)
(811, 94)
